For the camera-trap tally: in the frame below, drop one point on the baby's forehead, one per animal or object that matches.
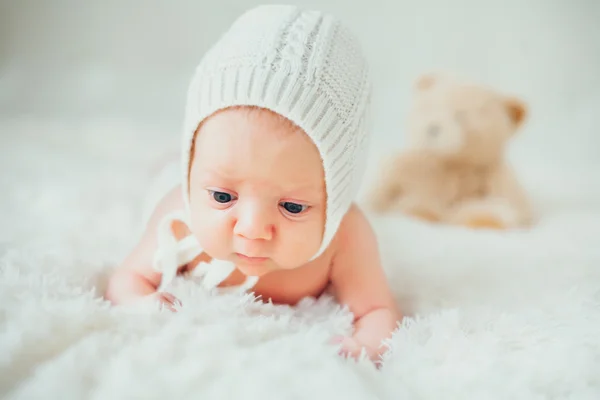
(251, 141)
(250, 126)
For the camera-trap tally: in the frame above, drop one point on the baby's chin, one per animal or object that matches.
(262, 268)
(255, 270)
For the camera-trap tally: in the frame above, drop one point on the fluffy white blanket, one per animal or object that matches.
(490, 315)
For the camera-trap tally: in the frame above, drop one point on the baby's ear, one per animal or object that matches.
(517, 110)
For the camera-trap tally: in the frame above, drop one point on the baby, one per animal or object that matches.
(274, 146)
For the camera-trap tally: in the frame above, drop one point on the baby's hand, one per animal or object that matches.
(167, 300)
(351, 347)
(162, 299)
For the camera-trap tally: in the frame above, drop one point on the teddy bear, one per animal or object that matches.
(454, 169)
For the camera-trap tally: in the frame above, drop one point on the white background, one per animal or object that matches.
(68, 59)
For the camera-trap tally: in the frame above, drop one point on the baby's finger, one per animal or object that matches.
(349, 347)
(168, 306)
(168, 301)
(337, 339)
(171, 299)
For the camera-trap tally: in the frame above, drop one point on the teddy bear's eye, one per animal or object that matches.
(433, 130)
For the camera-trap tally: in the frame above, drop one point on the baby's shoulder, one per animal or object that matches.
(354, 228)
(356, 246)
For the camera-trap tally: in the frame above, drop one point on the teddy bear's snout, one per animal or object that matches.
(433, 130)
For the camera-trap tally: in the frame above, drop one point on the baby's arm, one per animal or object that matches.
(135, 279)
(358, 281)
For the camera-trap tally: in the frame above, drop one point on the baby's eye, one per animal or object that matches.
(293, 208)
(221, 197)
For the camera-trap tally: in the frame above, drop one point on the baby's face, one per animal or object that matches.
(257, 192)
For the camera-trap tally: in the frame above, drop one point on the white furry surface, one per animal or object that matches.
(492, 315)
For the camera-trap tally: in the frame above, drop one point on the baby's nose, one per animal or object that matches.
(255, 232)
(254, 225)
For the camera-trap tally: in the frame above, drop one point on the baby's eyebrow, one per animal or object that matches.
(309, 189)
(220, 175)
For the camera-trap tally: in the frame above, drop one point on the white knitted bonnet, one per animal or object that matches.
(304, 65)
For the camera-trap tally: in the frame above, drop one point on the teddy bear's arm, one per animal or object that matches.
(503, 183)
(504, 205)
(407, 184)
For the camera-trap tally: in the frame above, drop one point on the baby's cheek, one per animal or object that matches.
(211, 234)
(301, 244)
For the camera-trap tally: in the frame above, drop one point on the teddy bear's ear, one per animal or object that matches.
(427, 81)
(517, 110)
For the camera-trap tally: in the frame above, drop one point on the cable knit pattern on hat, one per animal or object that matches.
(306, 66)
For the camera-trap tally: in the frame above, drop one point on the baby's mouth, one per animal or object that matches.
(251, 260)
